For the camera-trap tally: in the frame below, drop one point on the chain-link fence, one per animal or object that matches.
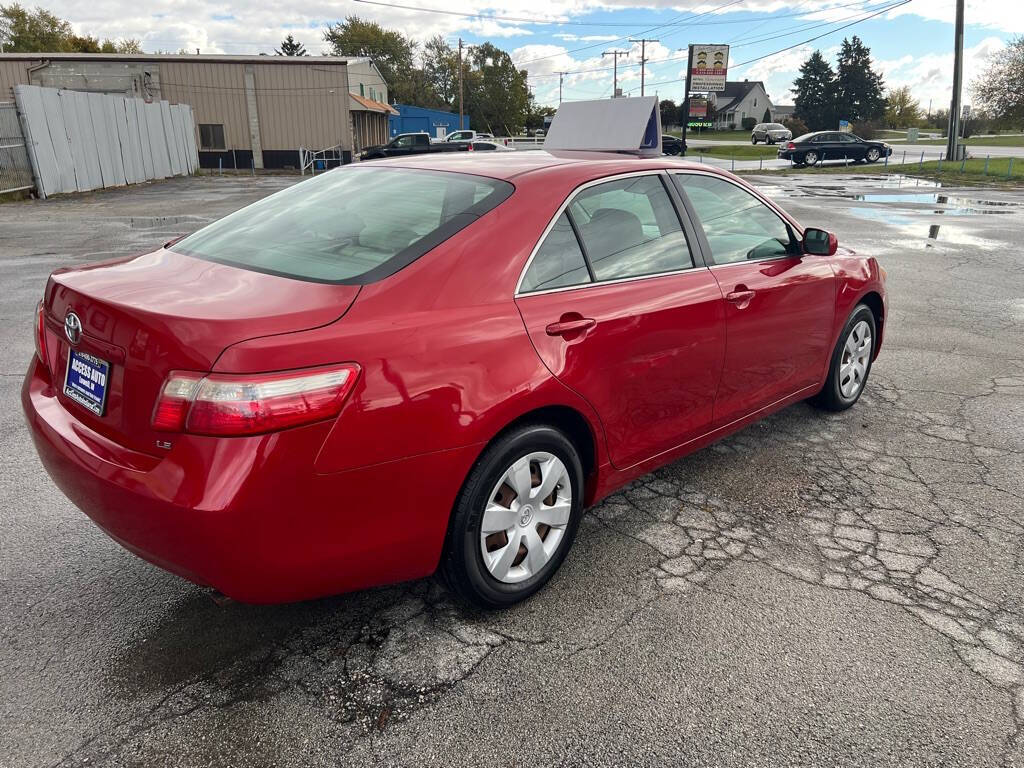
(15, 169)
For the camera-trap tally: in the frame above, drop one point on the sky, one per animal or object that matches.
(911, 41)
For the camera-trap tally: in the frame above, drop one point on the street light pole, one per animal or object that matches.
(958, 69)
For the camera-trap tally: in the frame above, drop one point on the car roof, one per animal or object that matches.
(573, 165)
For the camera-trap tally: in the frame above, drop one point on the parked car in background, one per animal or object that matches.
(671, 145)
(814, 148)
(415, 365)
(489, 146)
(465, 135)
(770, 133)
(405, 144)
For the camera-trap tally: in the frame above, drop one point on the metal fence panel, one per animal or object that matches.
(15, 168)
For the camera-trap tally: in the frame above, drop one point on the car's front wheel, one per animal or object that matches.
(516, 517)
(753, 139)
(851, 362)
(873, 154)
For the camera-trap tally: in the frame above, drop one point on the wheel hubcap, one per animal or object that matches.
(525, 517)
(811, 158)
(853, 366)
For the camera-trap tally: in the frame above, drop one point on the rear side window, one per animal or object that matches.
(350, 225)
(559, 261)
(630, 229)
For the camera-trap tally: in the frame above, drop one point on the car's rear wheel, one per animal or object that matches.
(873, 154)
(810, 158)
(851, 362)
(516, 517)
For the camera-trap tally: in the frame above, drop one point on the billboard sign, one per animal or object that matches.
(708, 68)
(698, 106)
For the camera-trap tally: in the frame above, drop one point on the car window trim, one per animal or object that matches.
(794, 232)
(696, 257)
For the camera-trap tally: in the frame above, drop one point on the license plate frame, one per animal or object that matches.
(87, 382)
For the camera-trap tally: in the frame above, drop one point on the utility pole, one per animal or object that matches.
(686, 98)
(958, 68)
(460, 83)
(643, 57)
(560, 76)
(615, 69)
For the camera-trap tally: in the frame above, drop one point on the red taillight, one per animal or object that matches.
(41, 333)
(791, 145)
(249, 404)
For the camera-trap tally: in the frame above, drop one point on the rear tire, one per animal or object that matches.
(851, 362)
(496, 568)
(810, 158)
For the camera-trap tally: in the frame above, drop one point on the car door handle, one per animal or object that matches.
(565, 327)
(740, 297)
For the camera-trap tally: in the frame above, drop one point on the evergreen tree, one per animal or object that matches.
(289, 47)
(815, 91)
(860, 90)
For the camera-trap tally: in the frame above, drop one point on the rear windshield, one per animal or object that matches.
(350, 225)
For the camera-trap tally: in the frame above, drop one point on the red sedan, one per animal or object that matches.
(432, 363)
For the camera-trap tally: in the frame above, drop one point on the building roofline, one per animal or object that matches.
(215, 57)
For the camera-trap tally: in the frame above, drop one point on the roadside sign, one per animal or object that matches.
(844, 126)
(708, 67)
(698, 106)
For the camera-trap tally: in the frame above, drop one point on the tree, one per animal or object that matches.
(497, 96)
(815, 100)
(901, 108)
(289, 47)
(24, 31)
(441, 68)
(393, 53)
(860, 90)
(39, 31)
(536, 115)
(1000, 90)
(669, 113)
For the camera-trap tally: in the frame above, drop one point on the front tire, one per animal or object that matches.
(851, 362)
(516, 517)
(872, 155)
(753, 140)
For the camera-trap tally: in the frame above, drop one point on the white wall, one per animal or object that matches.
(80, 141)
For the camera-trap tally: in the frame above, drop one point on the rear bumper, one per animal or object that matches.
(248, 515)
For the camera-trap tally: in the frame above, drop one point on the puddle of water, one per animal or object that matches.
(937, 234)
(953, 206)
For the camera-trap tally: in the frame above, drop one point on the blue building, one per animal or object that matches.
(415, 119)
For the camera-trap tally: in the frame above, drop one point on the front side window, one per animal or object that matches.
(403, 141)
(350, 225)
(738, 226)
(630, 229)
(559, 261)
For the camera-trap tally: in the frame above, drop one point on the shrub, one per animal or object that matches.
(749, 123)
(796, 126)
(866, 129)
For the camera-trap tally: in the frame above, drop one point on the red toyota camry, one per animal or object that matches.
(432, 363)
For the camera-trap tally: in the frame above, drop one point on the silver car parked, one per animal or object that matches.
(770, 133)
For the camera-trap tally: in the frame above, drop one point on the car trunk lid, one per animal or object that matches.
(164, 311)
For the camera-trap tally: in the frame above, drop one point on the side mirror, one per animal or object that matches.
(818, 242)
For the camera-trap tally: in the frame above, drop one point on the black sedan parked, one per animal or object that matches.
(671, 145)
(813, 148)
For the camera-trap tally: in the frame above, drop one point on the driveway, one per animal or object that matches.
(816, 590)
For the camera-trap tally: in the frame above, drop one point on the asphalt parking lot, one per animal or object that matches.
(817, 590)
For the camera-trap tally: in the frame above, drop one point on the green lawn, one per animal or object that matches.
(983, 141)
(999, 170)
(740, 152)
(713, 135)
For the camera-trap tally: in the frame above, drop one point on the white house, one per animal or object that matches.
(741, 100)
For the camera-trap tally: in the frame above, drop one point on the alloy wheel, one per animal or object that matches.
(525, 518)
(873, 155)
(811, 158)
(853, 366)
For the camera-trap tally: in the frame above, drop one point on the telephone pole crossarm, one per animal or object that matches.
(643, 57)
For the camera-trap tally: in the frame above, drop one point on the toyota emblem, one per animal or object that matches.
(72, 327)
